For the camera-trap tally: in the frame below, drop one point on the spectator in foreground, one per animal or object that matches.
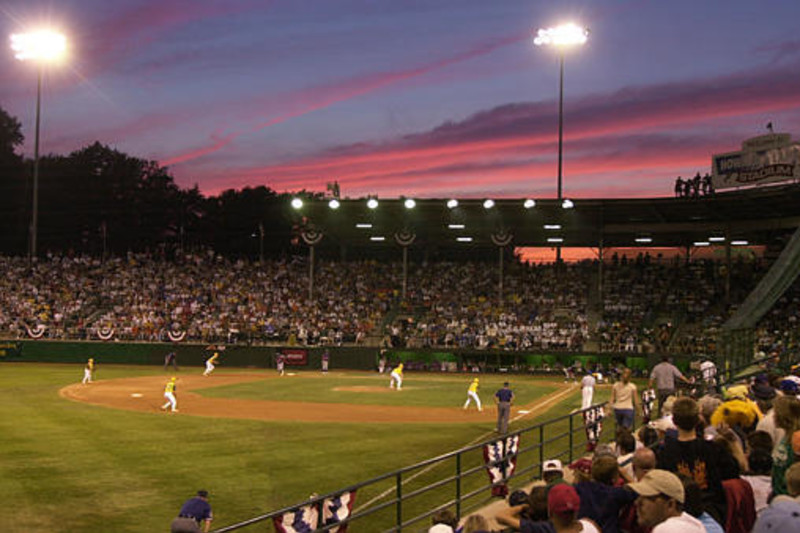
(787, 418)
(780, 517)
(444, 521)
(759, 462)
(475, 523)
(644, 460)
(698, 458)
(660, 504)
(600, 500)
(563, 503)
(695, 507)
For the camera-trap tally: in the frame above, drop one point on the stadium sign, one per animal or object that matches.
(764, 159)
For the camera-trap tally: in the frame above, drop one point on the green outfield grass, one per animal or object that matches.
(419, 389)
(67, 466)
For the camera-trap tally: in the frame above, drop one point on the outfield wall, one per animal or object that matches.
(341, 357)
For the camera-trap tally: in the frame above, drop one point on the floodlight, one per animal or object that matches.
(529, 203)
(363, 225)
(456, 226)
(464, 239)
(552, 226)
(567, 204)
(297, 203)
(644, 240)
(410, 203)
(739, 242)
(701, 243)
(43, 45)
(377, 238)
(564, 35)
(452, 203)
(716, 238)
(372, 203)
(488, 203)
(555, 239)
(334, 204)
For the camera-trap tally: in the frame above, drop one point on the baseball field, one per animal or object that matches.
(104, 457)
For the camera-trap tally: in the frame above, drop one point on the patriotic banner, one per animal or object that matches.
(176, 335)
(648, 399)
(501, 460)
(337, 509)
(105, 333)
(301, 520)
(593, 423)
(36, 332)
(307, 519)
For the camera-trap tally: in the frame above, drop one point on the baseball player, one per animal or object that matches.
(280, 364)
(587, 390)
(472, 394)
(169, 394)
(396, 377)
(211, 363)
(88, 371)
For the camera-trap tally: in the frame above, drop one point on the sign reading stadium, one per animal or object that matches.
(764, 159)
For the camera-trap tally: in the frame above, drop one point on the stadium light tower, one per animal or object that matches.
(562, 38)
(41, 47)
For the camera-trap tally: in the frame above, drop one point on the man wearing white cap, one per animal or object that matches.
(660, 504)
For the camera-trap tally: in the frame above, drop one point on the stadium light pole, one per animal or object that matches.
(562, 38)
(41, 47)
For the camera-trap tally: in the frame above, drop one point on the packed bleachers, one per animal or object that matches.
(642, 305)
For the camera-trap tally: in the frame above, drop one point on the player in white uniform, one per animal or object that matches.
(88, 370)
(472, 394)
(396, 377)
(211, 364)
(709, 372)
(587, 390)
(169, 394)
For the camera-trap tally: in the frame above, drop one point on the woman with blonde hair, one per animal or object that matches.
(475, 523)
(787, 418)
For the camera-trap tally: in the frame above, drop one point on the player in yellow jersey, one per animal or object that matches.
(88, 371)
(396, 377)
(169, 393)
(472, 394)
(211, 363)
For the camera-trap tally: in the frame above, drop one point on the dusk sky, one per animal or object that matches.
(432, 98)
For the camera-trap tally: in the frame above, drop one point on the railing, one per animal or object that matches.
(403, 499)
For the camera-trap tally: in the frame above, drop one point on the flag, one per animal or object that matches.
(301, 520)
(501, 460)
(593, 422)
(336, 510)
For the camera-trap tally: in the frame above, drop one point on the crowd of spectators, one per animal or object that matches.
(647, 304)
(721, 462)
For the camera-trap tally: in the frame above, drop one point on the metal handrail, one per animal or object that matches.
(536, 451)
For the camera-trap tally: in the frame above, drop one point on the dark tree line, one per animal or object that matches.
(99, 200)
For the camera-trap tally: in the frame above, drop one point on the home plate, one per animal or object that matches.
(136, 395)
(523, 412)
(291, 374)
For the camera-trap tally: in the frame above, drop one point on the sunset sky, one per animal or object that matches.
(425, 98)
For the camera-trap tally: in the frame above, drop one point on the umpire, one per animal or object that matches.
(503, 398)
(194, 512)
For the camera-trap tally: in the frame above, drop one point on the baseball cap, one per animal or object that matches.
(202, 493)
(582, 465)
(440, 528)
(553, 465)
(783, 516)
(657, 482)
(518, 497)
(562, 499)
(762, 391)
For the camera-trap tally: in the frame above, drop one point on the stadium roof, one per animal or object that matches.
(758, 216)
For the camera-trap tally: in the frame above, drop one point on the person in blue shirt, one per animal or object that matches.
(195, 512)
(504, 398)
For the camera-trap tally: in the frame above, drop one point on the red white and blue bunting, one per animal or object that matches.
(176, 336)
(36, 332)
(105, 333)
(593, 422)
(500, 457)
(326, 513)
